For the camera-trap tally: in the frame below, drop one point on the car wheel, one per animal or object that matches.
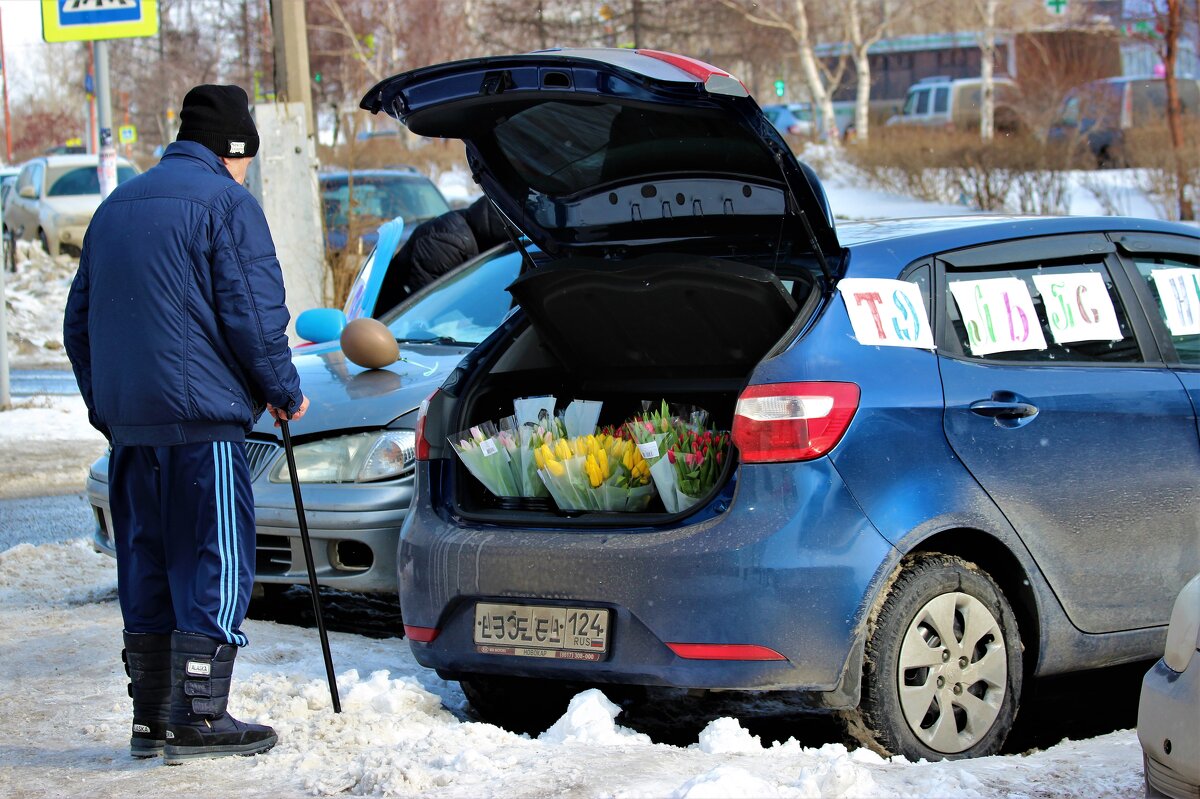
(518, 704)
(943, 667)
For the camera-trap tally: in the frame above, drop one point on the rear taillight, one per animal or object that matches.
(422, 414)
(792, 421)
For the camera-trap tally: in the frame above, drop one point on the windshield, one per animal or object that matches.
(465, 305)
(378, 198)
(82, 180)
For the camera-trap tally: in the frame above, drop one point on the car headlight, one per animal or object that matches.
(358, 458)
(1183, 636)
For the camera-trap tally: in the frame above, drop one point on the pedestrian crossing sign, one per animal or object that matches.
(89, 20)
(127, 134)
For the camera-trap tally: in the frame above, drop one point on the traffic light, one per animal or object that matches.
(779, 87)
(316, 77)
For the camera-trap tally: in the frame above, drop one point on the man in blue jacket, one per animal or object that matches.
(175, 327)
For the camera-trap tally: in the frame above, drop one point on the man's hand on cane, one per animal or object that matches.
(279, 413)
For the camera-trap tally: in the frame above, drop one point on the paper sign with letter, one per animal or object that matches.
(888, 313)
(1078, 307)
(998, 315)
(1179, 292)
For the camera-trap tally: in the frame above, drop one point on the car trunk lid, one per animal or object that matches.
(612, 153)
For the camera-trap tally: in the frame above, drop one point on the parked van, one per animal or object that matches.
(1102, 110)
(954, 103)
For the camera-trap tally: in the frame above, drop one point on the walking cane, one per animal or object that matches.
(308, 559)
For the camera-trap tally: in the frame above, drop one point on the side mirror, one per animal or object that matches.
(28, 192)
(319, 325)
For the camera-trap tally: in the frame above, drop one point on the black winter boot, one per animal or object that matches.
(147, 659)
(201, 669)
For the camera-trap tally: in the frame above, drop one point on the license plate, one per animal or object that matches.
(541, 631)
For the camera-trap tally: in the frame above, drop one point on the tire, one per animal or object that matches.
(942, 669)
(518, 704)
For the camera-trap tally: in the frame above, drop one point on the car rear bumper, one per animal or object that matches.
(795, 582)
(353, 529)
(1169, 729)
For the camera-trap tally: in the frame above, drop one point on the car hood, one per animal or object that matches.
(612, 152)
(72, 204)
(344, 396)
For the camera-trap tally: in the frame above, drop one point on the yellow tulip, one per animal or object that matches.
(562, 449)
(555, 468)
(593, 471)
(602, 462)
(539, 458)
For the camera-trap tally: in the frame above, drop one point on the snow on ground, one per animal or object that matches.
(46, 446)
(47, 419)
(64, 720)
(36, 296)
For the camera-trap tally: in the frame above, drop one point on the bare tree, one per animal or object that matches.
(866, 24)
(987, 64)
(1171, 21)
(794, 20)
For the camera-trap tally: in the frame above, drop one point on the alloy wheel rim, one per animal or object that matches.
(952, 673)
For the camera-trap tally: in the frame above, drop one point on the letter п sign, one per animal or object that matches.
(89, 20)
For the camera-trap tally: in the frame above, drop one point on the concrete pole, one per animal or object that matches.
(5, 400)
(293, 81)
(108, 149)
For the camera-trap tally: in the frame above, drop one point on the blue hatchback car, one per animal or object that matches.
(967, 449)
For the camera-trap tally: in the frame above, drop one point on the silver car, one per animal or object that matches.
(355, 447)
(1169, 711)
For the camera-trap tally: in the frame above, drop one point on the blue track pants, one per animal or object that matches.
(183, 521)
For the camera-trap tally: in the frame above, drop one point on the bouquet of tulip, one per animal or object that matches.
(653, 431)
(685, 457)
(691, 467)
(595, 472)
(522, 441)
(486, 454)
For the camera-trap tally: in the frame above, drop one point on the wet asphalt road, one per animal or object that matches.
(44, 520)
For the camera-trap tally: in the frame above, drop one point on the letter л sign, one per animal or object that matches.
(89, 20)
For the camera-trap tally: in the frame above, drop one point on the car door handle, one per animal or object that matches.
(1004, 410)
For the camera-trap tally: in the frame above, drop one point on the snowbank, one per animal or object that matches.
(47, 419)
(36, 296)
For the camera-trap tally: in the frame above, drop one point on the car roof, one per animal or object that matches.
(81, 159)
(409, 173)
(912, 238)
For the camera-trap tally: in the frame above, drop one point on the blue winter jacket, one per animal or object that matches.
(175, 323)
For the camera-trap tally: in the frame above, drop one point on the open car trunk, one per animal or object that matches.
(686, 329)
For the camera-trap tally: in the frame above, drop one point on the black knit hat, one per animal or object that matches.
(219, 118)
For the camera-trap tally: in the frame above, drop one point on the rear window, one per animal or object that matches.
(599, 143)
(380, 198)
